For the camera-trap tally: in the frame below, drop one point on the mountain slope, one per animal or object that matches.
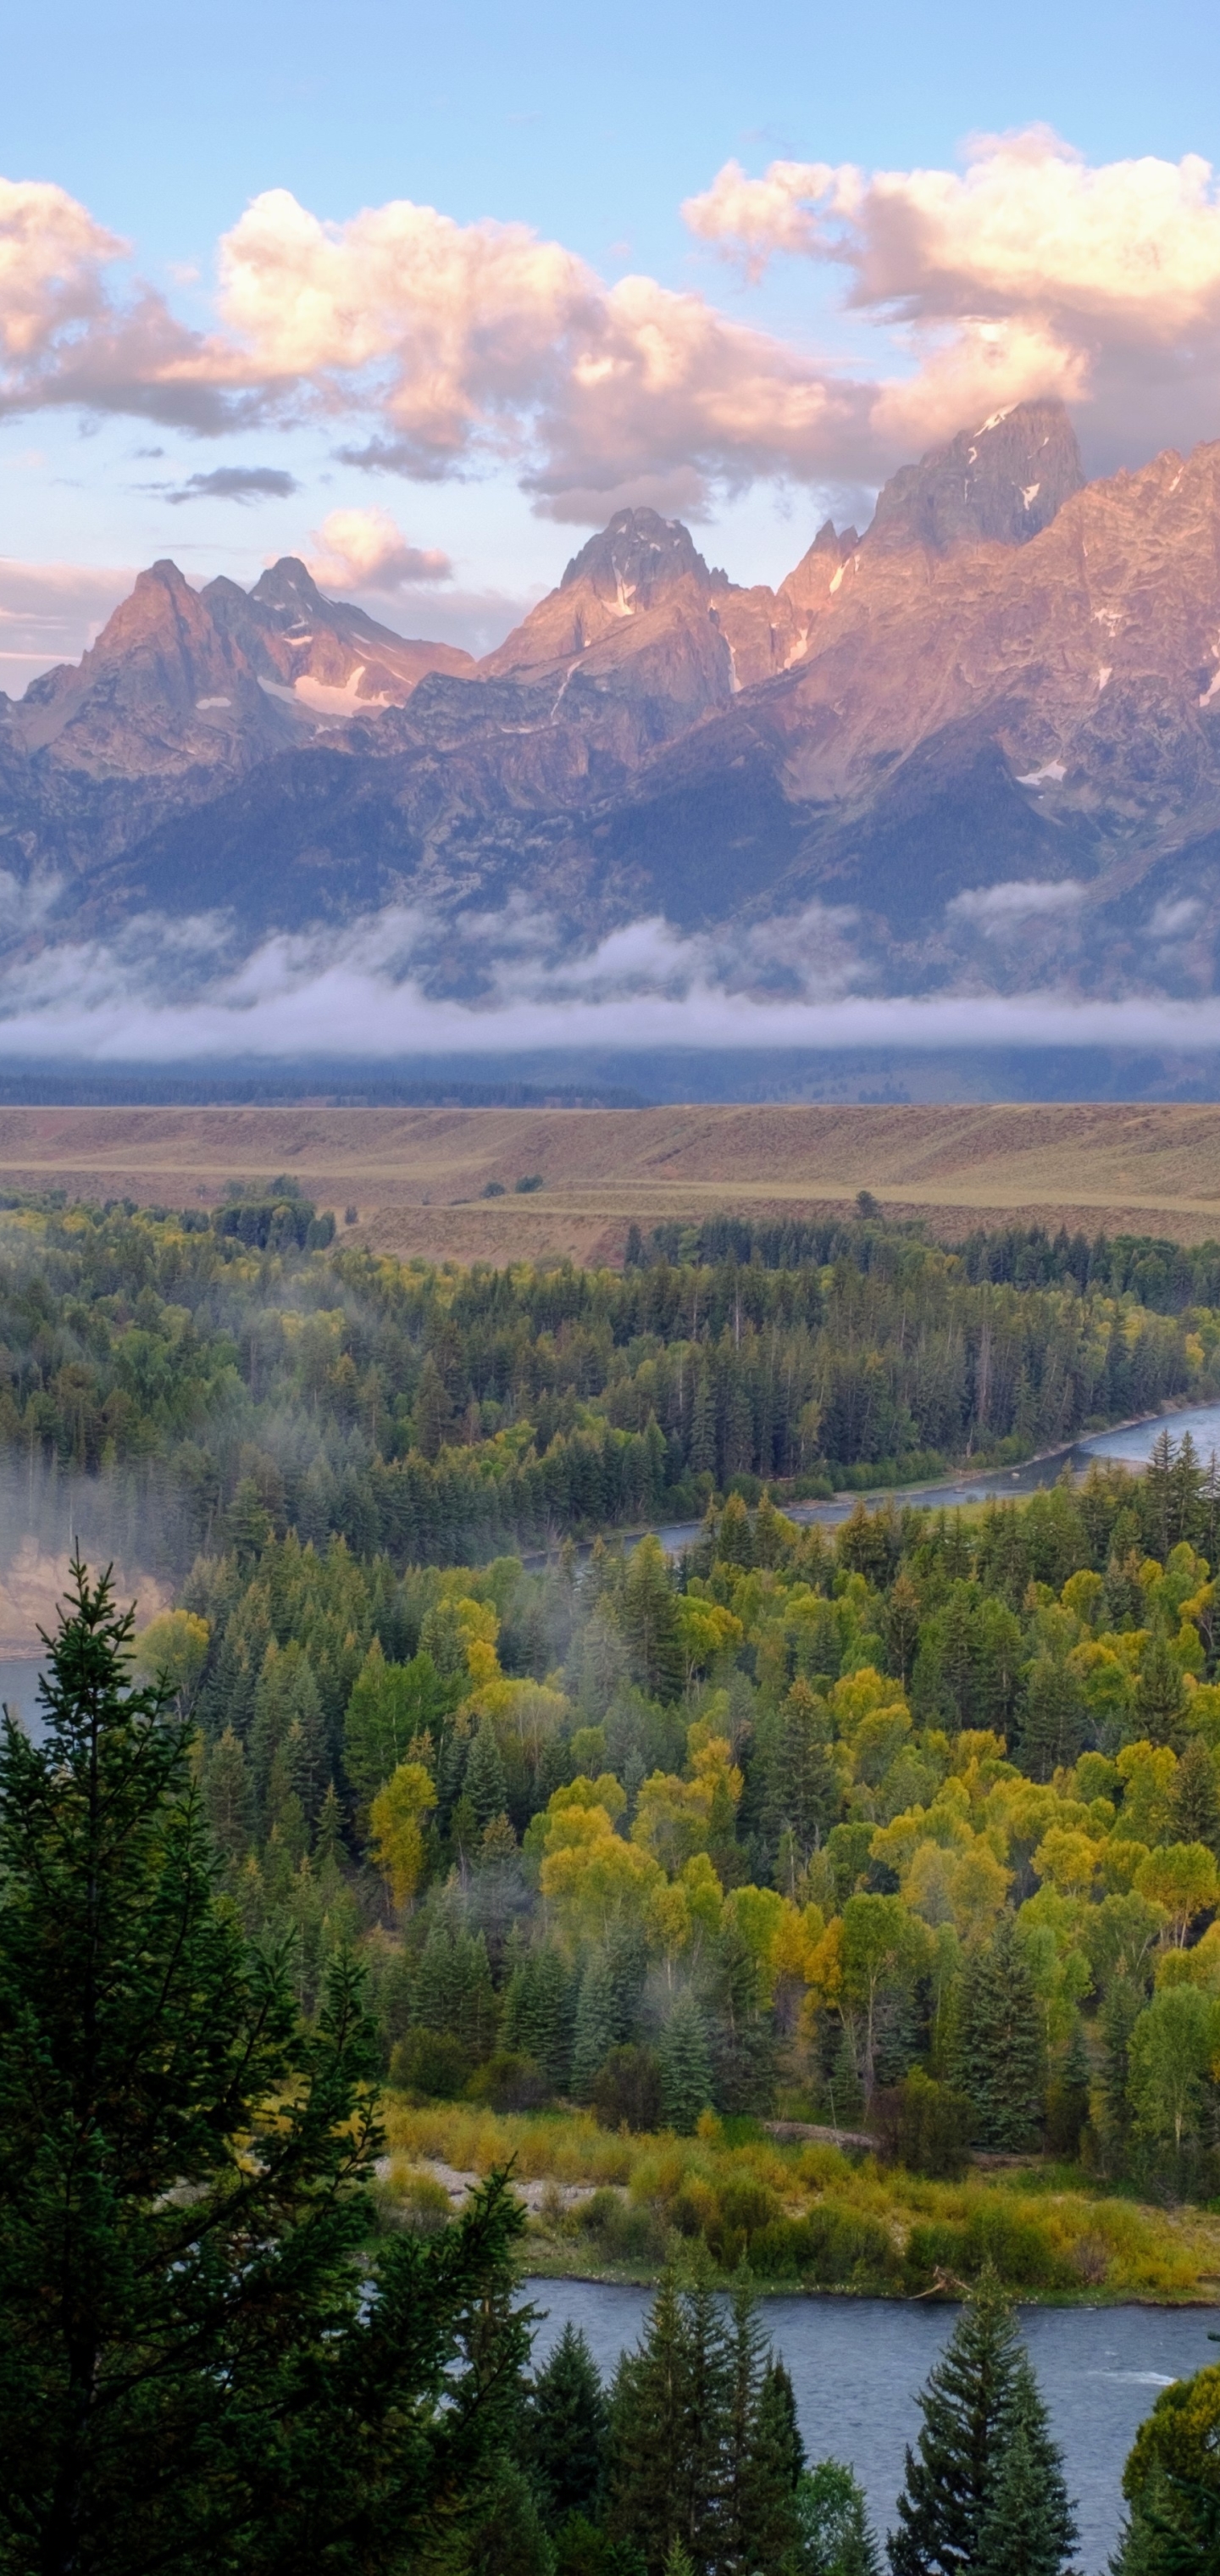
(980, 742)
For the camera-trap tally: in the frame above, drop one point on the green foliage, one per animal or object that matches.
(686, 2082)
(566, 2430)
(985, 2478)
(835, 2535)
(195, 2368)
(997, 2045)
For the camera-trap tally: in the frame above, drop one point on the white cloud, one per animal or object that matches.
(997, 910)
(164, 991)
(1026, 272)
(366, 550)
(463, 347)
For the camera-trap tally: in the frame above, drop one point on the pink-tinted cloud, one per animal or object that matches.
(366, 550)
(462, 348)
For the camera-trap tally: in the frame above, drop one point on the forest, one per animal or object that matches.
(824, 1909)
(442, 1416)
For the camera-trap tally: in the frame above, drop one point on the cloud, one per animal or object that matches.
(998, 910)
(366, 550)
(1026, 272)
(467, 347)
(50, 613)
(171, 991)
(237, 483)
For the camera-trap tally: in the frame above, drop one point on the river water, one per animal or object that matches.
(857, 2366)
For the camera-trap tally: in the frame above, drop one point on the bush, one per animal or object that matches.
(925, 2127)
(528, 1181)
(628, 2088)
(1017, 2249)
(426, 2206)
(431, 2063)
(509, 2083)
(625, 2234)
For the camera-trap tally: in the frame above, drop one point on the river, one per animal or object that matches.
(857, 2366)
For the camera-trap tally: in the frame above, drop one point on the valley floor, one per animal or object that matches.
(417, 1177)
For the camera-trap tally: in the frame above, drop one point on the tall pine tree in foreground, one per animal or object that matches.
(985, 2479)
(835, 2535)
(204, 2363)
(566, 2429)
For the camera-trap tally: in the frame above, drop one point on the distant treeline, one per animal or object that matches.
(326, 1085)
(1167, 1276)
(443, 1415)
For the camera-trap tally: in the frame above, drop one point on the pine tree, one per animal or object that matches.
(686, 2079)
(835, 2535)
(997, 2055)
(1054, 1720)
(650, 1623)
(206, 2356)
(1160, 1694)
(669, 2429)
(805, 1789)
(485, 1784)
(765, 2451)
(1196, 1804)
(595, 2032)
(566, 2430)
(227, 1796)
(1029, 2528)
(966, 2408)
(506, 2536)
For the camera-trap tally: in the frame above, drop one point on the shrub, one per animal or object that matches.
(1018, 2250)
(509, 2083)
(628, 2088)
(624, 2232)
(926, 2127)
(528, 1181)
(425, 2205)
(431, 2063)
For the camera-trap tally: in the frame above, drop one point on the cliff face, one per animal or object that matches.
(986, 734)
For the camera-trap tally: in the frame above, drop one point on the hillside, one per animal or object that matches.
(417, 1177)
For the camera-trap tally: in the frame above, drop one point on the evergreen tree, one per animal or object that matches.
(1172, 2484)
(967, 2408)
(566, 2428)
(538, 2016)
(390, 1705)
(1196, 1804)
(506, 2535)
(836, 2538)
(1029, 2528)
(594, 2026)
(206, 2359)
(1055, 1718)
(669, 2422)
(227, 1796)
(766, 2462)
(650, 1622)
(686, 2079)
(484, 1783)
(997, 2055)
(805, 1788)
(1160, 1694)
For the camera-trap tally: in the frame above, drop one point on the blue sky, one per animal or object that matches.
(590, 128)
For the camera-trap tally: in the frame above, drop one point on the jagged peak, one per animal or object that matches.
(1000, 483)
(288, 587)
(638, 554)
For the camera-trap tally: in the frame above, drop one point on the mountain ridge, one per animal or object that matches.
(984, 736)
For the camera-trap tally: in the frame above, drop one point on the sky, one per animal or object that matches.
(424, 294)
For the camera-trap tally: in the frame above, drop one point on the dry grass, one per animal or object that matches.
(417, 1175)
(1087, 2245)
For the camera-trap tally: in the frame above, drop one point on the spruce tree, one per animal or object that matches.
(805, 1785)
(997, 2052)
(484, 1783)
(836, 2538)
(566, 2428)
(650, 1622)
(668, 2431)
(595, 2032)
(207, 2359)
(1054, 1719)
(1029, 2528)
(686, 2081)
(951, 2476)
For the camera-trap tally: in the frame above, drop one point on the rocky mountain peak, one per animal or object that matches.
(636, 557)
(287, 592)
(999, 484)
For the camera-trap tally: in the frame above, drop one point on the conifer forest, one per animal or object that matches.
(823, 1908)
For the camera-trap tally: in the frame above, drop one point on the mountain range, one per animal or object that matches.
(976, 748)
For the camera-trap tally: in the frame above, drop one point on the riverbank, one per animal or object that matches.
(807, 2217)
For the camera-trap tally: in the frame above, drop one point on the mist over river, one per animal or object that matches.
(857, 2366)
